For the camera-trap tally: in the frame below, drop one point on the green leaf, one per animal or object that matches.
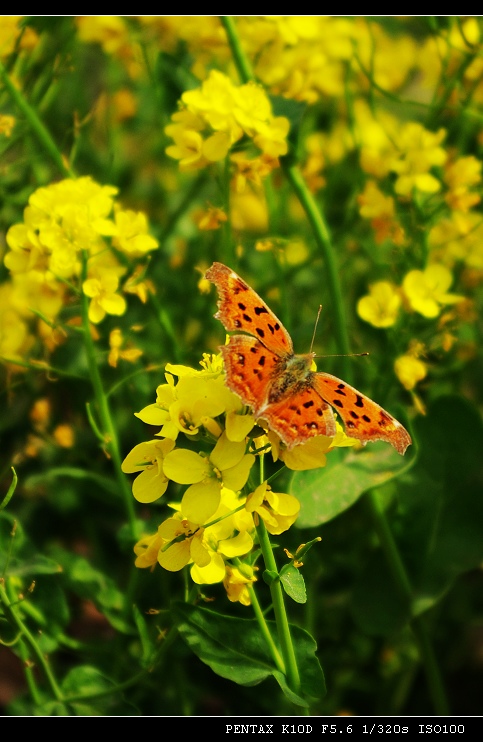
(377, 605)
(235, 649)
(83, 684)
(144, 637)
(325, 493)
(85, 680)
(442, 507)
(18, 554)
(439, 524)
(293, 583)
(89, 582)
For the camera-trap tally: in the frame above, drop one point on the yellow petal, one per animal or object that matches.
(186, 467)
(201, 500)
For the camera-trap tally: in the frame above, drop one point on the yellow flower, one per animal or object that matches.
(218, 114)
(251, 170)
(116, 341)
(105, 300)
(459, 238)
(198, 398)
(210, 218)
(460, 175)
(132, 235)
(176, 543)
(377, 207)
(148, 458)
(64, 436)
(381, 306)
(419, 150)
(186, 544)
(227, 465)
(409, 370)
(146, 550)
(426, 290)
(12, 35)
(6, 124)
(237, 581)
(278, 510)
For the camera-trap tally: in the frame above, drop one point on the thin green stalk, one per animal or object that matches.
(29, 671)
(281, 619)
(242, 64)
(228, 244)
(322, 237)
(36, 125)
(11, 490)
(265, 630)
(403, 584)
(104, 412)
(15, 620)
(291, 670)
(431, 667)
(312, 211)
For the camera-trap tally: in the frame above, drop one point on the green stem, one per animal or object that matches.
(242, 64)
(10, 492)
(314, 215)
(15, 620)
(104, 412)
(281, 619)
(403, 584)
(278, 660)
(36, 125)
(322, 237)
(431, 667)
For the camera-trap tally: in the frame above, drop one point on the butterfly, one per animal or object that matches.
(280, 386)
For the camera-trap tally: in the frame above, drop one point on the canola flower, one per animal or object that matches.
(214, 520)
(219, 114)
(68, 243)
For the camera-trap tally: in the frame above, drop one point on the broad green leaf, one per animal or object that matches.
(32, 566)
(378, 606)
(82, 684)
(89, 582)
(293, 583)
(325, 493)
(439, 523)
(235, 649)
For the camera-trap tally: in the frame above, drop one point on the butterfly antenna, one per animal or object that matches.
(315, 327)
(334, 355)
(343, 355)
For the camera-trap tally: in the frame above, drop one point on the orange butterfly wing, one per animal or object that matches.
(240, 308)
(363, 418)
(249, 367)
(299, 417)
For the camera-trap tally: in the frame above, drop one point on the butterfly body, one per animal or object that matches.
(279, 385)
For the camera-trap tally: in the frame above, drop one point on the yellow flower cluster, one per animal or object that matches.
(217, 115)
(424, 292)
(64, 245)
(214, 521)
